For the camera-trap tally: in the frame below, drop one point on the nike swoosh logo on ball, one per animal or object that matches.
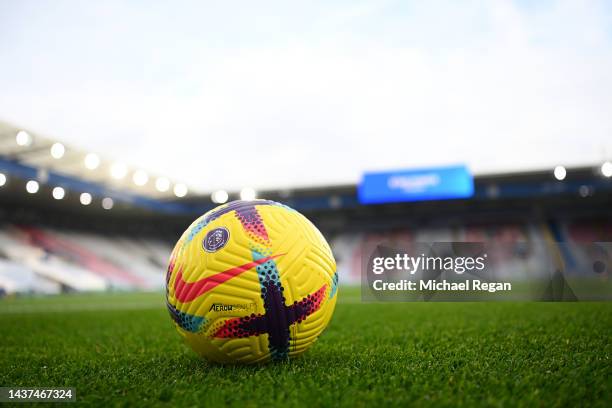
(187, 291)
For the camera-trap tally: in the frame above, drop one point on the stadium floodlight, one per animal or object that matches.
(32, 186)
(180, 190)
(23, 138)
(560, 173)
(140, 177)
(92, 161)
(85, 198)
(118, 170)
(162, 184)
(107, 203)
(248, 193)
(57, 150)
(606, 169)
(58, 193)
(219, 197)
(2, 179)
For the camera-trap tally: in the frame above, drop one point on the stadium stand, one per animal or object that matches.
(51, 261)
(46, 261)
(52, 245)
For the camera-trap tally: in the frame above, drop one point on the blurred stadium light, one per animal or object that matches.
(58, 193)
(606, 169)
(219, 197)
(92, 161)
(560, 172)
(85, 198)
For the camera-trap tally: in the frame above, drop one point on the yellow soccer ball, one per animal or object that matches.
(251, 281)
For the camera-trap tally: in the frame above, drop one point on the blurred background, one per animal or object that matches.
(121, 122)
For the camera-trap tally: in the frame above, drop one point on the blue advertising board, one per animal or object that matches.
(440, 183)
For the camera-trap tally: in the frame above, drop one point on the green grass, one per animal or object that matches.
(121, 349)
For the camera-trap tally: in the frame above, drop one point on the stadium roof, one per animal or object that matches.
(42, 158)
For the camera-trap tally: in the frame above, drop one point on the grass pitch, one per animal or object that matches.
(121, 349)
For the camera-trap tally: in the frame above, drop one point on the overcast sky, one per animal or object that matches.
(275, 94)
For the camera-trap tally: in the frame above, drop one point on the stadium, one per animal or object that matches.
(102, 178)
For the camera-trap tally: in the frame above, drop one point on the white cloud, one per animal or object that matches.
(318, 96)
